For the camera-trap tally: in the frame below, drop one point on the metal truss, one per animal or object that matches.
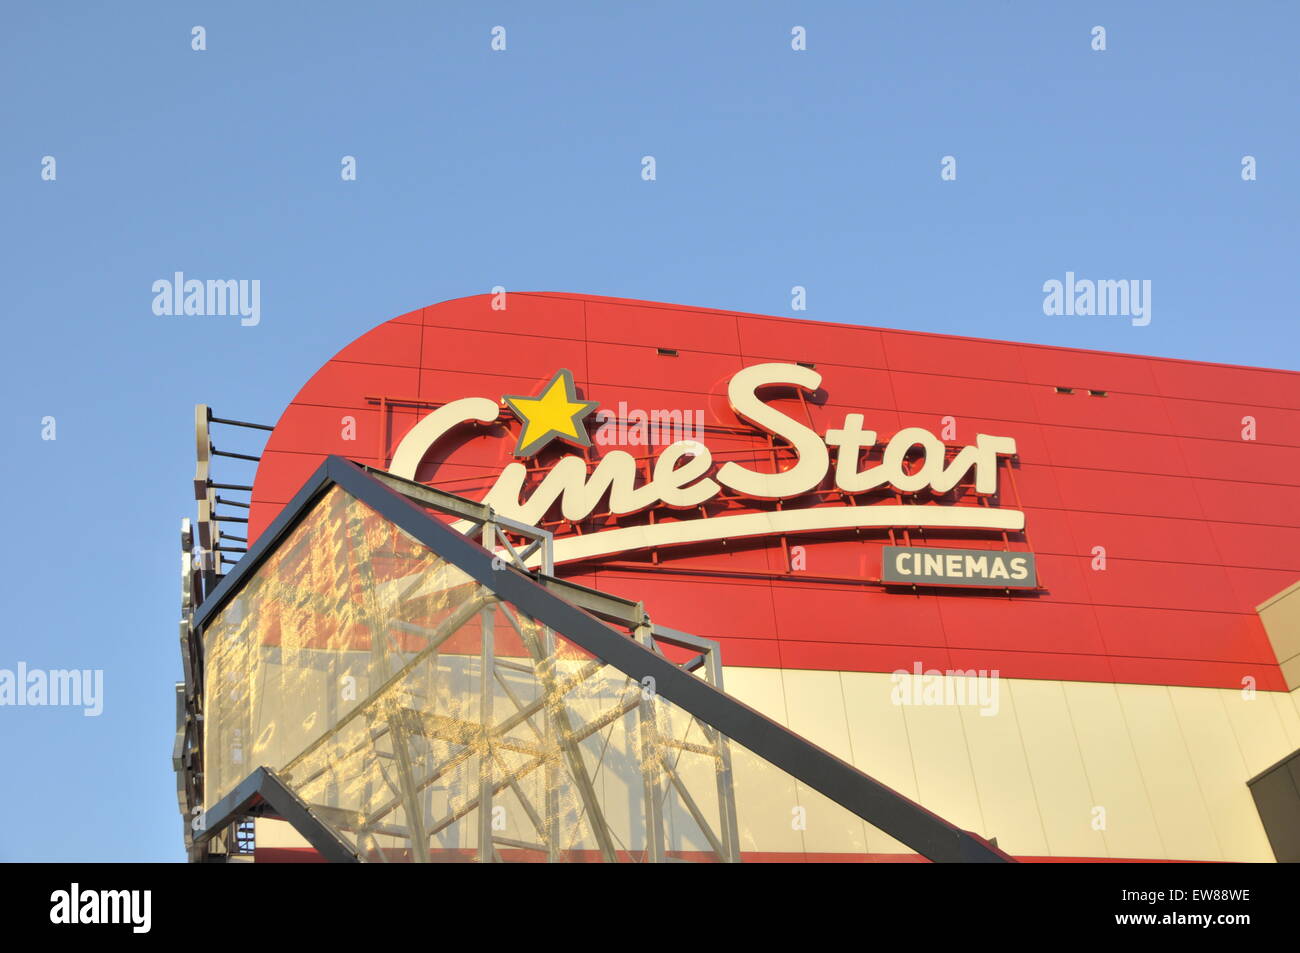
(512, 745)
(263, 793)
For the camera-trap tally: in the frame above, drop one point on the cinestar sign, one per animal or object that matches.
(684, 476)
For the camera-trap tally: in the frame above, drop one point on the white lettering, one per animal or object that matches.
(682, 477)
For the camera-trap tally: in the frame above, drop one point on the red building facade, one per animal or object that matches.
(1159, 498)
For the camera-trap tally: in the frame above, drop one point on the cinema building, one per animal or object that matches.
(551, 577)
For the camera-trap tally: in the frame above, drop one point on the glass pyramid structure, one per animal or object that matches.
(382, 672)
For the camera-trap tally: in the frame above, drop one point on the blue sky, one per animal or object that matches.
(522, 168)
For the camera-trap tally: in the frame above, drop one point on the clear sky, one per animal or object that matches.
(522, 168)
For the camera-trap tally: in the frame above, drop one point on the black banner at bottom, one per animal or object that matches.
(128, 903)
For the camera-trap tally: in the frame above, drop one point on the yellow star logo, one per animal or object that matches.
(556, 413)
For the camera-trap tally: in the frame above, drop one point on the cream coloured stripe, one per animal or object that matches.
(821, 519)
(1050, 768)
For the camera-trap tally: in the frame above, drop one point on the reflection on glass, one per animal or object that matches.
(424, 719)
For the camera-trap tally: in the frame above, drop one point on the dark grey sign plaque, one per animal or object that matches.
(978, 568)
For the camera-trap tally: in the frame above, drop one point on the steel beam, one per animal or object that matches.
(264, 785)
(891, 812)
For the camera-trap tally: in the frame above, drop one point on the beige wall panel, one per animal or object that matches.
(878, 731)
(815, 702)
(878, 734)
(1289, 714)
(1114, 777)
(1175, 794)
(1260, 732)
(1294, 695)
(765, 795)
(765, 799)
(1291, 672)
(944, 778)
(1065, 801)
(1281, 618)
(1221, 771)
(759, 688)
(1168, 764)
(1006, 792)
(830, 828)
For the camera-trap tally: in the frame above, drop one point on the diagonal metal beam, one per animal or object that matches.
(265, 786)
(886, 809)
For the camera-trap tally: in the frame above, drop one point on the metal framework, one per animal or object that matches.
(585, 618)
(204, 560)
(263, 793)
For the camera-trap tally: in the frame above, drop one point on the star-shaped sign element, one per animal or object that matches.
(556, 413)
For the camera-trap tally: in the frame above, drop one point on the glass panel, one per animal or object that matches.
(312, 633)
(399, 699)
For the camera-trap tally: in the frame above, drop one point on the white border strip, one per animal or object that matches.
(820, 519)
